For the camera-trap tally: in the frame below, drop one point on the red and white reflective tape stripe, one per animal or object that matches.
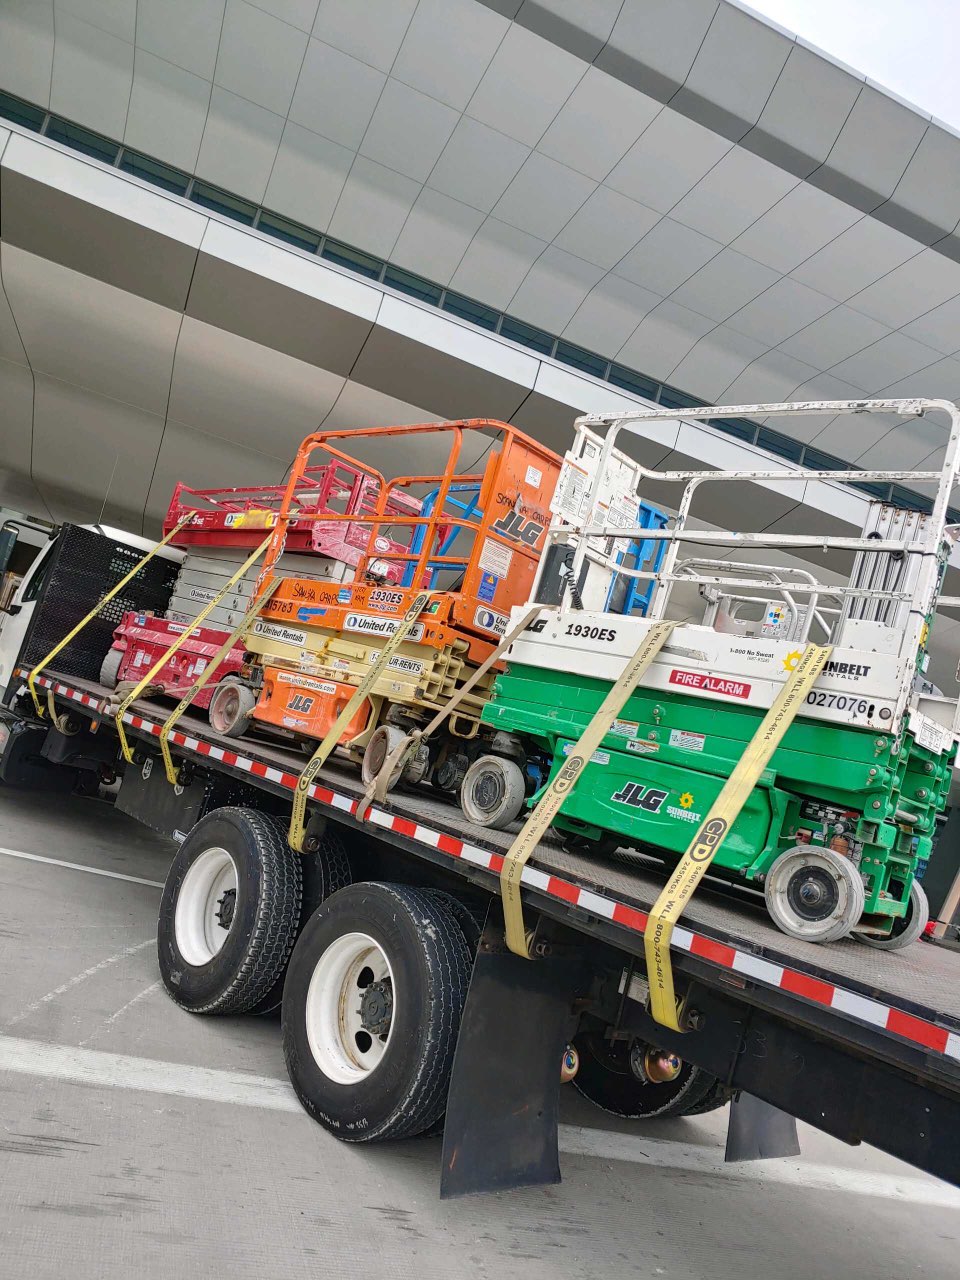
(74, 694)
(906, 1026)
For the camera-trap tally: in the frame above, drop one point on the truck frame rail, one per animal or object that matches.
(906, 1005)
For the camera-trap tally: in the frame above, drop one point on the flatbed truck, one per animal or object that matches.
(861, 1044)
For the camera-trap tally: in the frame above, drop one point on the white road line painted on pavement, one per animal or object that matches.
(76, 980)
(118, 1013)
(78, 866)
(115, 1070)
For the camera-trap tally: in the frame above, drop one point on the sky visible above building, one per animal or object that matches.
(908, 46)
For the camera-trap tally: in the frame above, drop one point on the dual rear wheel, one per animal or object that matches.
(372, 976)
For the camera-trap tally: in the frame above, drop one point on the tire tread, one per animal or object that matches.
(277, 918)
(448, 961)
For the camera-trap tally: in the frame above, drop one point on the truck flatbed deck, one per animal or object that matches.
(902, 1008)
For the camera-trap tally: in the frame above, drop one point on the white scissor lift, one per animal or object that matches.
(758, 619)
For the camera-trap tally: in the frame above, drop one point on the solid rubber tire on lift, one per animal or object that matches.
(907, 929)
(230, 708)
(502, 780)
(422, 948)
(827, 873)
(266, 913)
(325, 870)
(606, 1078)
(110, 668)
(384, 740)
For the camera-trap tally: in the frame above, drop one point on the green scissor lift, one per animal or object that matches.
(844, 814)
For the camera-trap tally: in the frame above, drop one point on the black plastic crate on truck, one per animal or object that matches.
(83, 567)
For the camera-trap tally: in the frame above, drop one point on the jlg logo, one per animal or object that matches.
(514, 527)
(300, 702)
(648, 798)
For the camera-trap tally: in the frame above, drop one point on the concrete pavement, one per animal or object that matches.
(138, 1140)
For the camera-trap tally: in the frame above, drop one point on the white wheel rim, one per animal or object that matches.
(201, 908)
(343, 1048)
(488, 788)
(781, 909)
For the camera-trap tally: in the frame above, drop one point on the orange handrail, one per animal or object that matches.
(322, 439)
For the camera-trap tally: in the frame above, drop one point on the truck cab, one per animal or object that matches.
(19, 616)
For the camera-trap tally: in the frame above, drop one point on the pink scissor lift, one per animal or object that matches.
(221, 527)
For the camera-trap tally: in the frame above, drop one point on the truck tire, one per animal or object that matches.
(716, 1097)
(229, 913)
(110, 668)
(907, 929)
(366, 1066)
(470, 925)
(324, 870)
(231, 704)
(608, 1080)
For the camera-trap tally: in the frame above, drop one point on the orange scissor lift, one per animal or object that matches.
(466, 559)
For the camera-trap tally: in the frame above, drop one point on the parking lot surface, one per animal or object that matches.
(137, 1140)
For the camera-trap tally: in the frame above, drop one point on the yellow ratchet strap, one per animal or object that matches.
(212, 666)
(548, 806)
(335, 732)
(377, 790)
(31, 678)
(723, 813)
(180, 641)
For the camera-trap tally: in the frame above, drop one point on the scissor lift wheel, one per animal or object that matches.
(110, 668)
(814, 894)
(383, 741)
(906, 929)
(493, 792)
(230, 708)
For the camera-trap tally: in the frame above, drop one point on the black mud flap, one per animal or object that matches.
(501, 1122)
(145, 794)
(759, 1131)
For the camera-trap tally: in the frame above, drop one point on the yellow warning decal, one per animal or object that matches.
(548, 806)
(723, 813)
(254, 518)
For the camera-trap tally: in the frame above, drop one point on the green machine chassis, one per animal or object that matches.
(645, 786)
